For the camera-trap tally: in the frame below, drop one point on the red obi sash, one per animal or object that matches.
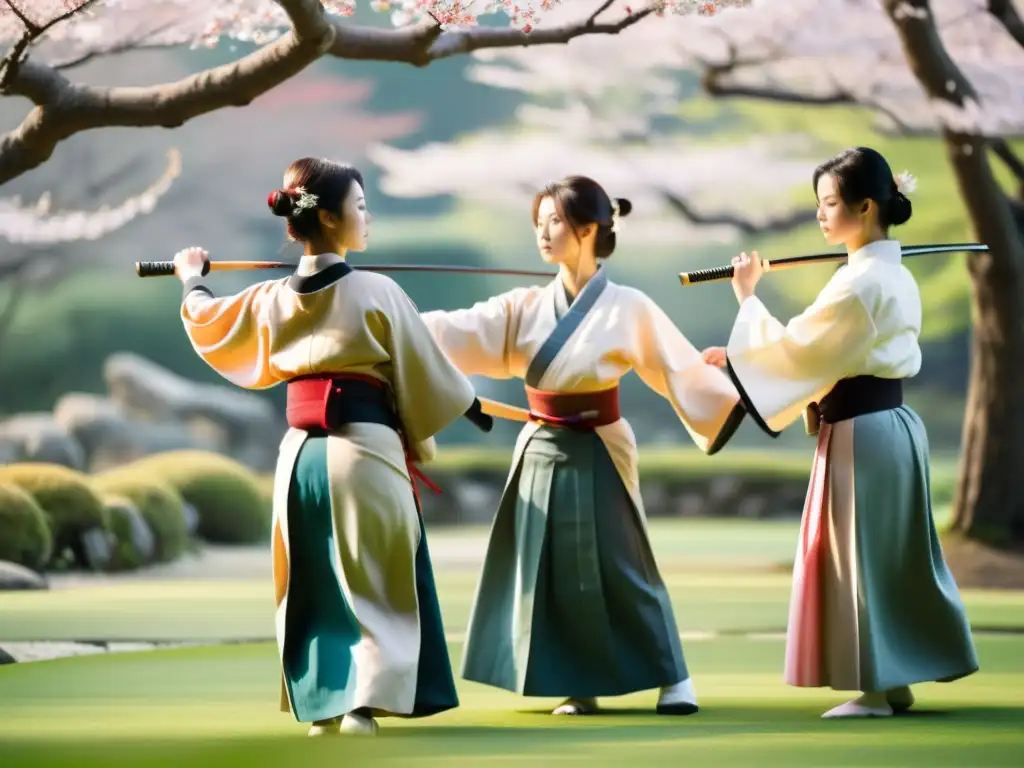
(585, 411)
(323, 404)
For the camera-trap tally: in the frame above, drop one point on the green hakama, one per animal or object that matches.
(570, 601)
(874, 606)
(322, 632)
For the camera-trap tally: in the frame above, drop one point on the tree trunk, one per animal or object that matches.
(989, 503)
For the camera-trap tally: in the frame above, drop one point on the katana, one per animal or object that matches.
(166, 268)
(714, 274)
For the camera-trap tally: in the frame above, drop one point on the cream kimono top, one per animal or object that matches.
(865, 321)
(606, 332)
(328, 318)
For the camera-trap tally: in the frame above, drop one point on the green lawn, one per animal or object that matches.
(218, 705)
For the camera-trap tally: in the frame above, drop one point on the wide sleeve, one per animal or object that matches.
(780, 370)
(702, 396)
(431, 392)
(478, 339)
(230, 333)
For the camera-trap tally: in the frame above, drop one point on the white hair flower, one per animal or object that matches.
(905, 182)
(306, 200)
(616, 219)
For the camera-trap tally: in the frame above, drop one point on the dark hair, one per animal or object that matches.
(330, 182)
(583, 201)
(862, 174)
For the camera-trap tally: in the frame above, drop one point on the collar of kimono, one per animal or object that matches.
(888, 251)
(310, 265)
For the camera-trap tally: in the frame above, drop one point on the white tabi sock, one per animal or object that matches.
(358, 725)
(678, 699)
(680, 693)
(329, 727)
(865, 705)
(576, 705)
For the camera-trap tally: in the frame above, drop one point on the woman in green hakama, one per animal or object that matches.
(570, 601)
(358, 624)
(874, 607)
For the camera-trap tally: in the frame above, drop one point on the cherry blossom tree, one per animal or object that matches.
(948, 68)
(36, 236)
(47, 38)
(989, 505)
(610, 109)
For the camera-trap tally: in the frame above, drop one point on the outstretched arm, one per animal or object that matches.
(702, 396)
(479, 339)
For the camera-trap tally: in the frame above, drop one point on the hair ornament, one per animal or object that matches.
(905, 183)
(616, 219)
(305, 200)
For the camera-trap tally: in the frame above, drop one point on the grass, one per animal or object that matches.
(218, 705)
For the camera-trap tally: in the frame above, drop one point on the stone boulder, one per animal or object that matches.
(246, 425)
(110, 436)
(18, 577)
(38, 437)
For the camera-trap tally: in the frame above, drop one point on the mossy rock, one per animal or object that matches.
(158, 503)
(134, 542)
(76, 514)
(25, 536)
(232, 507)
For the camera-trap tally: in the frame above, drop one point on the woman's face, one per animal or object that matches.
(355, 219)
(350, 229)
(555, 239)
(838, 223)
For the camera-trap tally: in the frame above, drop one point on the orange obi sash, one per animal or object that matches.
(584, 410)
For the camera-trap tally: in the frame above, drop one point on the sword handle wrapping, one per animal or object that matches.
(706, 275)
(161, 268)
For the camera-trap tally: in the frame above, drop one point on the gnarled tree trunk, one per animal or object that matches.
(989, 504)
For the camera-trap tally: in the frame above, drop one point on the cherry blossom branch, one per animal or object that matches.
(426, 42)
(65, 108)
(11, 63)
(1005, 12)
(781, 223)
(129, 44)
(964, 132)
(36, 225)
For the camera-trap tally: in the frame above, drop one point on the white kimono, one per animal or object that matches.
(624, 330)
(867, 538)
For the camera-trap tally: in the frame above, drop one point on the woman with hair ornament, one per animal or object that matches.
(570, 602)
(358, 624)
(874, 608)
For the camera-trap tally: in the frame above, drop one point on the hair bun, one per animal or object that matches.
(900, 209)
(281, 203)
(624, 206)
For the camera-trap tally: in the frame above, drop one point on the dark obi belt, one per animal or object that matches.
(859, 396)
(584, 411)
(322, 405)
